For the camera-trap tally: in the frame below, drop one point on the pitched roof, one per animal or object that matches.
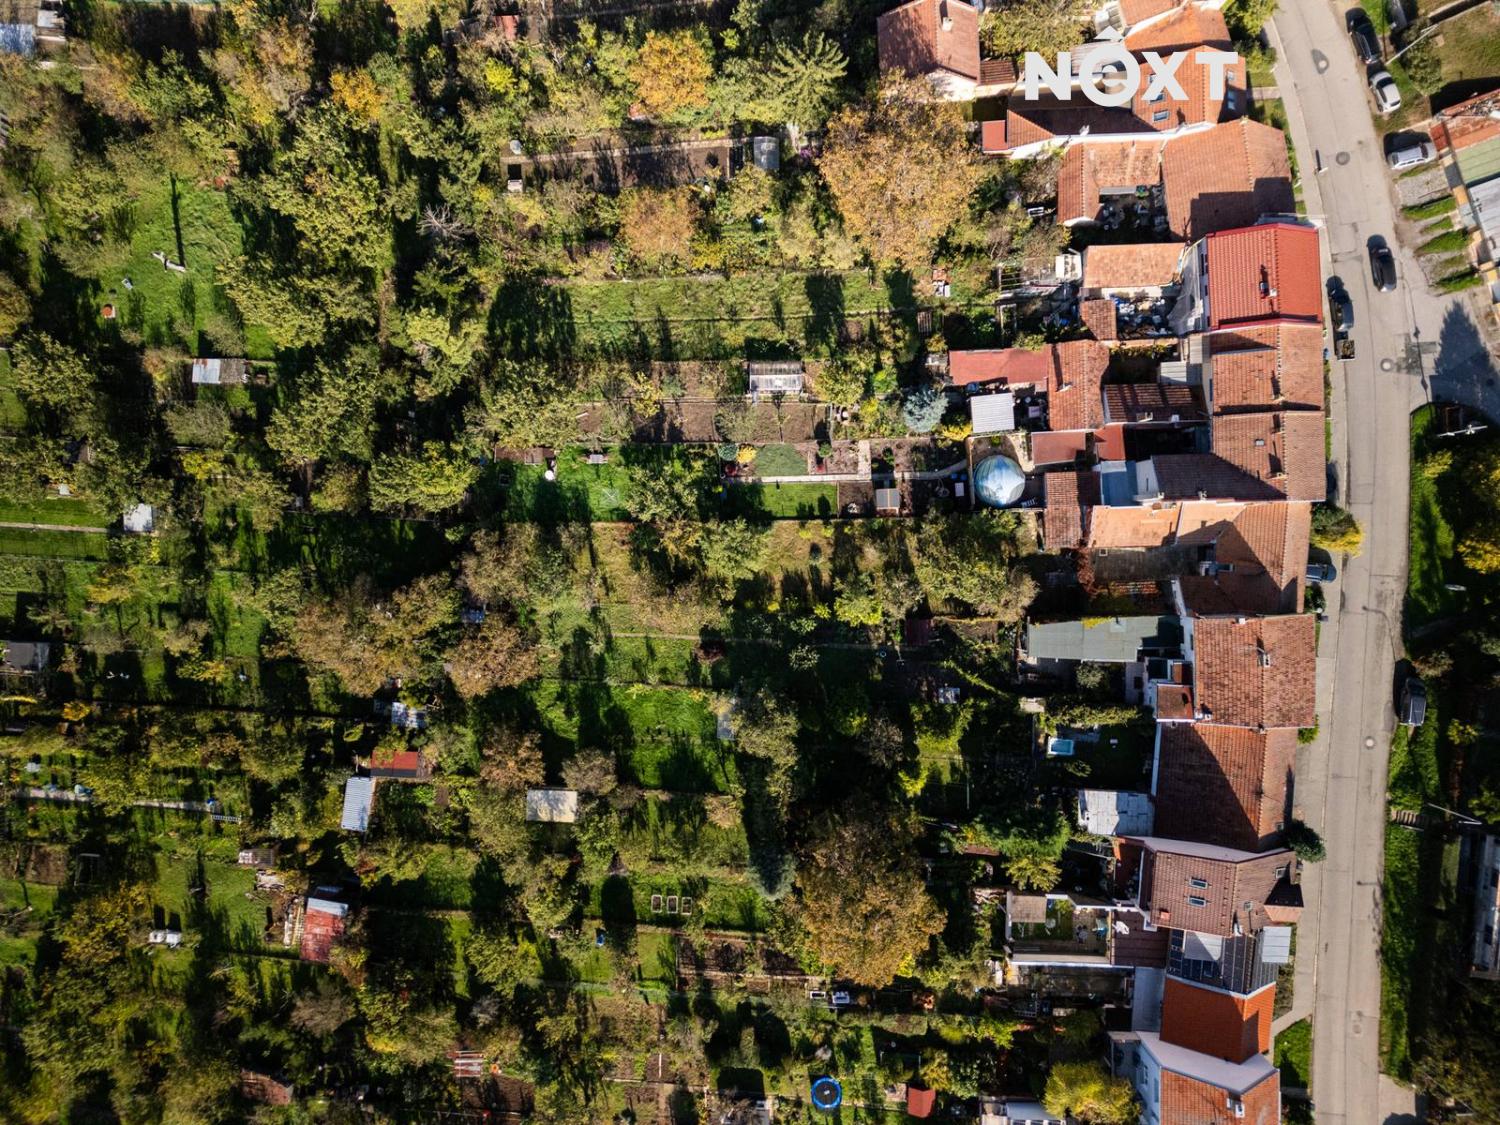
(1074, 399)
(1098, 316)
(1088, 169)
(1134, 11)
(1284, 448)
(1217, 1023)
(552, 806)
(1223, 785)
(1149, 525)
(1187, 476)
(1191, 25)
(1069, 496)
(998, 365)
(1257, 672)
(1263, 548)
(1152, 402)
(912, 38)
(1279, 363)
(1130, 265)
(1210, 890)
(1264, 272)
(389, 762)
(1191, 1101)
(322, 925)
(359, 796)
(1226, 177)
(1048, 448)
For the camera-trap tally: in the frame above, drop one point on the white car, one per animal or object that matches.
(1387, 96)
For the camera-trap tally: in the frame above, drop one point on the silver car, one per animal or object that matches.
(1387, 96)
(1409, 156)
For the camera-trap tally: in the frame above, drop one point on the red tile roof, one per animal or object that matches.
(1098, 316)
(1188, 886)
(1130, 265)
(1192, 25)
(1223, 785)
(1071, 373)
(1265, 547)
(919, 1101)
(1152, 402)
(1088, 169)
(1188, 476)
(912, 38)
(1058, 449)
(1257, 672)
(1140, 527)
(997, 72)
(1278, 363)
(1190, 1101)
(998, 365)
(1134, 11)
(1225, 177)
(992, 135)
(1283, 448)
(1069, 496)
(320, 929)
(1468, 123)
(1264, 272)
(1217, 1023)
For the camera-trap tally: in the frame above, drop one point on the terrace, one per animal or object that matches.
(1054, 930)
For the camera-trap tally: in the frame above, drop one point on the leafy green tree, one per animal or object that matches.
(525, 405)
(1044, 26)
(733, 550)
(54, 380)
(856, 603)
(803, 80)
(901, 169)
(1087, 1092)
(434, 480)
(447, 346)
(922, 409)
(1246, 18)
(15, 307)
(968, 559)
(1306, 842)
(1335, 529)
(657, 225)
(845, 379)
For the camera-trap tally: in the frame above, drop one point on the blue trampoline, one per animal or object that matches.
(827, 1094)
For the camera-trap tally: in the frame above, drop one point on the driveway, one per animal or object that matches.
(1410, 344)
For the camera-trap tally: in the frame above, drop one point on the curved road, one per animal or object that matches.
(1341, 778)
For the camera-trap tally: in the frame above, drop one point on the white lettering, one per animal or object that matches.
(1038, 74)
(1117, 66)
(1163, 80)
(1218, 63)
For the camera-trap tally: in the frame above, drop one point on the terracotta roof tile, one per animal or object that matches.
(1283, 448)
(1131, 265)
(1152, 402)
(1191, 1101)
(1138, 946)
(1069, 495)
(1185, 889)
(912, 39)
(1144, 526)
(1260, 365)
(1134, 11)
(1217, 1023)
(1265, 547)
(1264, 272)
(997, 72)
(1223, 785)
(1088, 169)
(1075, 390)
(1188, 476)
(1257, 671)
(1098, 316)
(1192, 25)
(1225, 177)
(1058, 449)
(998, 365)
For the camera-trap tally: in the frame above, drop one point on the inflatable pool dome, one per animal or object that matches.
(998, 481)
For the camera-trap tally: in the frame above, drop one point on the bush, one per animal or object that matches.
(1445, 243)
(923, 408)
(1443, 205)
(1305, 842)
(1453, 283)
(1334, 529)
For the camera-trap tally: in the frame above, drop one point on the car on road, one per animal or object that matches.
(1319, 573)
(1410, 155)
(1387, 96)
(1341, 309)
(1362, 32)
(1382, 266)
(1413, 702)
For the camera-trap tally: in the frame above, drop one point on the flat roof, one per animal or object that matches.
(993, 414)
(1116, 640)
(552, 806)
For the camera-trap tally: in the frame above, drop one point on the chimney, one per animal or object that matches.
(947, 20)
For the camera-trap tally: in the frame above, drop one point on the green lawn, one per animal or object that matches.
(718, 904)
(68, 511)
(235, 917)
(1469, 46)
(54, 544)
(1294, 1054)
(1431, 536)
(12, 412)
(780, 461)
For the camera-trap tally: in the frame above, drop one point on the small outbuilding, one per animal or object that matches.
(139, 520)
(216, 371)
(993, 414)
(766, 379)
(552, 806)
(359, 798)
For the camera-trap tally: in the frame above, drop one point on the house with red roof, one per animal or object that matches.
(1181, 1086)
(1252, 275)
(937, 40)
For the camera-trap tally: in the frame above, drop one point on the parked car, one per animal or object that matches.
(1387, 96)
(1320, 573)
(1413, 702)
(1409, 156)
(1341, 309)
(1382, 267)
(1362, 32)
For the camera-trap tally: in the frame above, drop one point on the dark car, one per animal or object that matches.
(1413, 703)
(1320, 573)
(1362, 32)
(1382, 267)
(1341, 309)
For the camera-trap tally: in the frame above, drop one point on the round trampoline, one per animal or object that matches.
(827, 1094)
(998, 481)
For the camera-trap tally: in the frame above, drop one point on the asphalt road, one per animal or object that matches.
(1410, 345)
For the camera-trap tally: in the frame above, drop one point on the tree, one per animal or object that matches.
(15, 307)
(861, 900)
(1089, 1093)
(1246, 18)
(1335, 529)
(1306, 842)
(671, 72)
(1044, 26)
(1032, 871)
(495, 654)
(733, 550)
(1480, 546)
(845, 379)
(803, 79)
(856, 603)
(54, 380)
(434, 480)
(523, 405)
(323, 1009)
(922, 408)
(901, 169)
(657, 224)
(968, 559)
(591, 771)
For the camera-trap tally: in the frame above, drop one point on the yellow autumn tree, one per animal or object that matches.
(671, 72)
(657, 225)
(356, 91)
(901, 168)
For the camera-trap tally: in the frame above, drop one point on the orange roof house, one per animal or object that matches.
(1259, 552)
(1070, 496)
(1071, 374)
(1228, 786)
(1129, 267)
(1213, 1022)
(1256, 672)
(1283, 448)
(1225, 177)
(1210, 889)
(1275, 364)
(1188, 26)
(1265, 272)
(933, 39)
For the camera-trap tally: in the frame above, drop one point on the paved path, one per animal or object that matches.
(1341, 778)
(53, 527)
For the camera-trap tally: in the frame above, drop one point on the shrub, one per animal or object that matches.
(1445, 243)
(1443, 205)
(1305, 842)
(1334, 529)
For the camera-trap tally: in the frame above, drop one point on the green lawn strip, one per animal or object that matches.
(230, 908)
(1294, 1055)
(54, 544)
(1457, 282)
(790, 501)
(1443, 205)
(717, 903)
(1378, 14)
(779, 460)
(1431, 536)
(60, 510)
(1445, 243)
